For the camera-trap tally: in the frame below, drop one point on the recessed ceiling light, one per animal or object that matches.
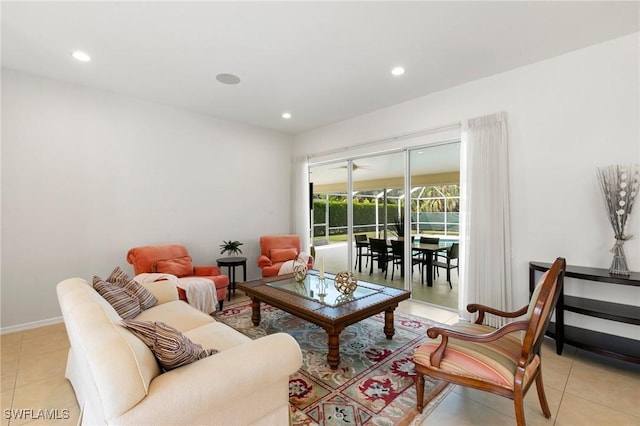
(81, 56)
(397, 71)
(228, 78)
(286, 115)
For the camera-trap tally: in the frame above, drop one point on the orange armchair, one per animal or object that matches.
(275, 250)
(174, 259)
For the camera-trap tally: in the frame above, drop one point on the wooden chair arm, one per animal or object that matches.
(445, 333)
(482, 309)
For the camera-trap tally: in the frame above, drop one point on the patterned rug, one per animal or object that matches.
(374, 383)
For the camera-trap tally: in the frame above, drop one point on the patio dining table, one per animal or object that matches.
(427, 250)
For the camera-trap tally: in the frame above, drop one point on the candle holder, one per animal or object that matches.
(322, 287)
(321, 271)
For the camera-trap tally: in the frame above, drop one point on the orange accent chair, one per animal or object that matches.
(174, 259)
(505, 361)
(275, 250)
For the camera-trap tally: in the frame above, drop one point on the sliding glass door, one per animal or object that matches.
(401, 195)
(329, 221)
(378, 188)
(435, 202)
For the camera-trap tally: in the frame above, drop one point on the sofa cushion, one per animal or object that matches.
(121, 279)
(217, 335)
(171, 348)
(164, 290)
(283, 254)
(177, 313)
(180, 266)
(123, 301)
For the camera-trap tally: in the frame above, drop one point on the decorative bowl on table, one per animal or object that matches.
(299, 270)
(345, 282)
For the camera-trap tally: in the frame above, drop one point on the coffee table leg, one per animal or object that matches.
(333, 357)
(389, 330)
(255, 316)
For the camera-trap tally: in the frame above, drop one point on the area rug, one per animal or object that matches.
(374, 383)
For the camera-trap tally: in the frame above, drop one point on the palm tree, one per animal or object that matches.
(433, 198)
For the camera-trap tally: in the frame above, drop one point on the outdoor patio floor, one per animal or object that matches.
(335, 260)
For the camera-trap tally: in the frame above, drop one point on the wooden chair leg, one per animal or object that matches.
(541, 395)
(518, 402)
(419, 392)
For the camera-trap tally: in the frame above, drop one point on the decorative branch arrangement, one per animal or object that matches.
(619, 185)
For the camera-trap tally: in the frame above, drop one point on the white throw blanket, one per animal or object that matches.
(287, 267)
(201, 292)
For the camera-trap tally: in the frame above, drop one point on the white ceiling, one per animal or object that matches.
(321, 61)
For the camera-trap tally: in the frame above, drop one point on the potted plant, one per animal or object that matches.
(398, 226)
(231, 247)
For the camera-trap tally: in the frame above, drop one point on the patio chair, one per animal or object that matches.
(397, 252)
(379, 252)
(362, 238)
(431, 240)
(447, 263)
(505, 361)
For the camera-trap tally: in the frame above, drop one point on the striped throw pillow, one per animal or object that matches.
(171, 348)
(121, 279)
(123, 301)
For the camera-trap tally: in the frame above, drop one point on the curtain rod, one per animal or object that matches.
(388, 139)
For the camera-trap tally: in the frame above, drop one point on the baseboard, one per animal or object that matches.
(30, 325)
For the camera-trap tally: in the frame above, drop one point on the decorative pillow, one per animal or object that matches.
(282, 255)
(121, 279)
(123, 301)
(171, 348)
(180, 266)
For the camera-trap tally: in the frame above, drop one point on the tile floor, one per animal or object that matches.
(582, 388)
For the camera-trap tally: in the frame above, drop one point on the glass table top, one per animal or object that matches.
(323, 291)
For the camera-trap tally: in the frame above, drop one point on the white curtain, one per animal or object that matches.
(485, 268)
(300, 206)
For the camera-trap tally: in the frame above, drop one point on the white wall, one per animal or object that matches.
(88, 174)
(566, 116)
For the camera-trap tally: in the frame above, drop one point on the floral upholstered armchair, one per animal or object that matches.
(279, 251)
(174, 259)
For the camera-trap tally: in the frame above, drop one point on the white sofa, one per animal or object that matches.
(117, 379)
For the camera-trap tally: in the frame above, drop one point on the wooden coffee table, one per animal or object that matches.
(325, 307)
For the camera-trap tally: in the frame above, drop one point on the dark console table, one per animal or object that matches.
(602, 343)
